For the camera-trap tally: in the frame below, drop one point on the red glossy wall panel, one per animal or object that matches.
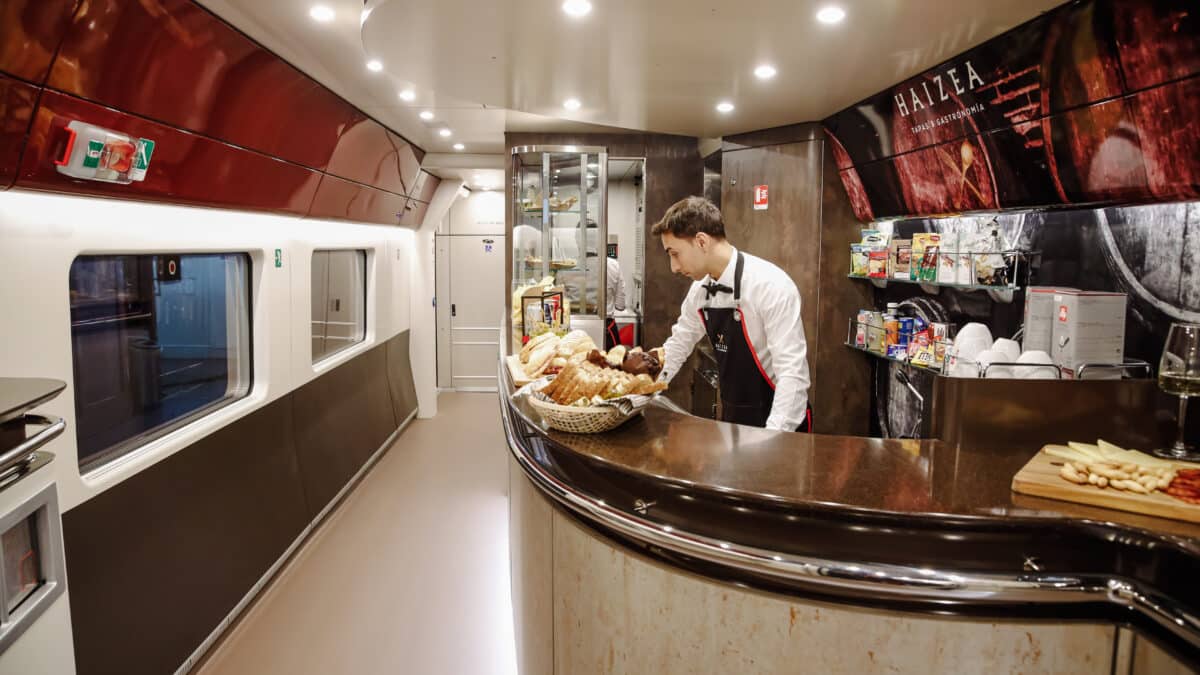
(30, 31)
(409, 159)
(17, 100)
(367, 153)
(186, 168)
(346, 200)
(414, 214)
(173, 61)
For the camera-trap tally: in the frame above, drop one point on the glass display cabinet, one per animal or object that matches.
(559, 220)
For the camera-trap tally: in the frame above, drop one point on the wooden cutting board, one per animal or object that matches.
(1040, 478)
(519, 378)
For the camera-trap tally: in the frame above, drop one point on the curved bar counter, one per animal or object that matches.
(903, 532)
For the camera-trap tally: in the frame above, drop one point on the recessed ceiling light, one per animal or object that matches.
(459, 146)
(831, 14)
(725, 107)
(445, 133)
(577, 8)
(572, 104)
(408, 95)
(321, 13)
(764, 72)
(374, 65)
(426, 115)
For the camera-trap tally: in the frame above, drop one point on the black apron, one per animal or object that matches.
(612, 336)
(747, 394)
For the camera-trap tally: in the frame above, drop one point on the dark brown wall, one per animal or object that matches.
(156, 562)
(805, 230)
(674, 170)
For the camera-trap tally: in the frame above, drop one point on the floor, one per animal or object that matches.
(408, 575)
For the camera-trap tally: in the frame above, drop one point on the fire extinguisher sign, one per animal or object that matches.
(760, 197)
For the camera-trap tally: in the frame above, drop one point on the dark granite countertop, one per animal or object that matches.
(912, 478)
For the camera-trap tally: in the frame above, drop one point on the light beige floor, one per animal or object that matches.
(409, 575)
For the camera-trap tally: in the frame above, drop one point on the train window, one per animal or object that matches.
(157, 341)
(339, 301)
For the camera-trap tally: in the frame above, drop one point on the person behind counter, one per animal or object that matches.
(750, 311)
(614, 297)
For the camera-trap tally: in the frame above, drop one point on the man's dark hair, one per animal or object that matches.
(690, 216)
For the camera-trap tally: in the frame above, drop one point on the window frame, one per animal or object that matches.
(112, 455)
(364, 254)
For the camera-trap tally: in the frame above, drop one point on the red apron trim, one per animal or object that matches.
(702, 320)
(753, 352)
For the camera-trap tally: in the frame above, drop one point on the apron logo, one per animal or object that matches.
(721, 346)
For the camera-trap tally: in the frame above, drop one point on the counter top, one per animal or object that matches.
(936, 523)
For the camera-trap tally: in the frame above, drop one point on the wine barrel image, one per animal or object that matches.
(1093, 151)
(942, 164)
(851, 181)
(1159, 41)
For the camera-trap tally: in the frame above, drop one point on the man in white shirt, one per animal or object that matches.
(750, 311)
(614, 298)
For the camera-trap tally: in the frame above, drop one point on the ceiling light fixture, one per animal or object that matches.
(459, 146)
(571, 148)
(831, 14)
(445, 133)
(764, 72)
(724, 107)
(321, 13)
(408, 95)
(426, 115)
(577, 8)
(572, 104)
(374, 65)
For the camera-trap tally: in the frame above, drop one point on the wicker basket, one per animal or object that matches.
(577, 420)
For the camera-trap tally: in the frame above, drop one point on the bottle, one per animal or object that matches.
(891, 325)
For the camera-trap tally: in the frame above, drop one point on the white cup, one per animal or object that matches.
(990, 356)
(1010, 348)
(1032, 372)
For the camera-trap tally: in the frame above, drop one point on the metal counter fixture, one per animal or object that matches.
(623, 503)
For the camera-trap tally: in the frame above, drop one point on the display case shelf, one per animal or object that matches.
(885, 357)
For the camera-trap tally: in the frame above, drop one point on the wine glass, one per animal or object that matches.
(1179, 375)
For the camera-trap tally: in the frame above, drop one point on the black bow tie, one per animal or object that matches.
(713, 288)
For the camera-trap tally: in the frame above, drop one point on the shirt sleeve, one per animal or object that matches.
(616, 285)
(686, 332)
(789, 354)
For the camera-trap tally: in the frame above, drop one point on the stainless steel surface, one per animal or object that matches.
(1125, 368)
(523, 149)
(881, 581)
(23, 452)
(53, 573)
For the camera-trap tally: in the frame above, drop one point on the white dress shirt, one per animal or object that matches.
(614, 288)
(771, 309)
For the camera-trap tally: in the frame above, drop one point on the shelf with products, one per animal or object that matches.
(999, 273)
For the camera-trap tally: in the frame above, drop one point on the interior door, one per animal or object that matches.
(476, 272)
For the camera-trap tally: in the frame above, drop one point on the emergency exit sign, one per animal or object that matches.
(760, 197)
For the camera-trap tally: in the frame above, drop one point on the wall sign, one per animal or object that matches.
(96, 153)
(1095, 101)
(760, 197)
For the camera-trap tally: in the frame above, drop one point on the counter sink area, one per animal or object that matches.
(907, 532)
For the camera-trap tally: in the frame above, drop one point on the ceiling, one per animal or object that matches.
(483, 68)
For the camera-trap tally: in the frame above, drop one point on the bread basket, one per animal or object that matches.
(595, 419)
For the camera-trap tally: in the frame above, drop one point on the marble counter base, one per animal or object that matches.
(584, 605)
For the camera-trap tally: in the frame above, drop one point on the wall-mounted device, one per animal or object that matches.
(96, 153)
